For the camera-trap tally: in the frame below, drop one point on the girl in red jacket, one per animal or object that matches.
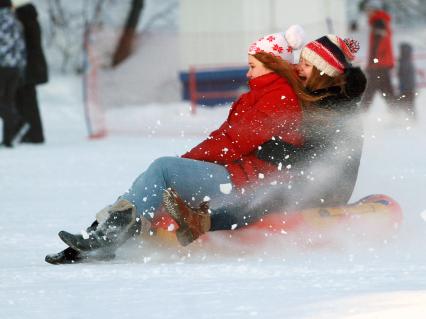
(222, 166)
(380, 56)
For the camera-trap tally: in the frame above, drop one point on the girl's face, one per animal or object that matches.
(256, 68)
(304, 70)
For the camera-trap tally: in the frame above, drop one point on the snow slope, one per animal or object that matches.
(60, 185)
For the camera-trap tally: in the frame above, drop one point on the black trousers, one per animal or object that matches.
(9, 82)
(27, 105)
(379, 80)
(406, 104)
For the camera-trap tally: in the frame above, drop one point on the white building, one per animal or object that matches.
(215, 32)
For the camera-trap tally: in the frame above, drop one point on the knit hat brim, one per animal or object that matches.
(319, 62)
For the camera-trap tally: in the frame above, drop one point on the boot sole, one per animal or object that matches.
(72, 256)
(91, 253)
(69, 239)
(183, 234)
(67, 256)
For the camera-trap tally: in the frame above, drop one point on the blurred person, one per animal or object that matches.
(228, 157)
(323, 170)
(407, 81)
(12, 64)
(380, 55)
(35, 72)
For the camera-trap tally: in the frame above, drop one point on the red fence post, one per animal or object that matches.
(193, 89)
(94, 114)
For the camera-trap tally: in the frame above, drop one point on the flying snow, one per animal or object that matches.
(423, 215)
(225, 188)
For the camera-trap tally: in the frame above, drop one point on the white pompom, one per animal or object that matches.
(295, 36)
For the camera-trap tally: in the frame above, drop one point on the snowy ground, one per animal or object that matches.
(61, 184)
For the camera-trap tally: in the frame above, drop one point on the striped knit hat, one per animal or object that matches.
(330, 54)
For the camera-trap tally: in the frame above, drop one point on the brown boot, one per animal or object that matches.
(193, 222)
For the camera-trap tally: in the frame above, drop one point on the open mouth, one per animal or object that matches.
(302, 78)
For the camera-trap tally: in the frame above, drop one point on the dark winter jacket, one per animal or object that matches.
(326, 165)
(269, 109)
(12, 46)
(36, 70)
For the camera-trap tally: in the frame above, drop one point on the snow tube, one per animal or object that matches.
(372, 216)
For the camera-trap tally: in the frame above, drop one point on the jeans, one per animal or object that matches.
(193, 180)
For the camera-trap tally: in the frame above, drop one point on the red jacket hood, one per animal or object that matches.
(263, 81)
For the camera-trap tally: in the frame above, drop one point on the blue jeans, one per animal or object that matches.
(193, 180)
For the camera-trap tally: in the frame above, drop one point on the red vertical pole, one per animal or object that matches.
(94, 114)
(193, 89)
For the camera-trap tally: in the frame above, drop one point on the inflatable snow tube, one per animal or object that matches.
(375, 216)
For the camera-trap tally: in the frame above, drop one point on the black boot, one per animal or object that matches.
(120, 225)
(14, 132)
(67, 256)
(72, 256)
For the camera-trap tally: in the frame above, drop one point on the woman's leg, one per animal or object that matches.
(237, 211)
(193, 180)
(27, 105)
(246, 209)
(11, 119)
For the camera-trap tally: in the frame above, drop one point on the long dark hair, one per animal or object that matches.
(319, 80)
(308, 95)
(319, 84)
(285, 70)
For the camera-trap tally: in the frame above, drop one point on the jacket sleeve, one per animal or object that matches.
(216, 148)
(278, 152)
(243, 132)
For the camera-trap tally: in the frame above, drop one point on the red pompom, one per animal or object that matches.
(353, 45)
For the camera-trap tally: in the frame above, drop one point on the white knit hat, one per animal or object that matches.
(280, 44)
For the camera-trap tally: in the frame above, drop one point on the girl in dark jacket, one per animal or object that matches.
(321, 172)
(35, 74)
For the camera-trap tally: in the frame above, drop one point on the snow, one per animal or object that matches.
(225, 188)
(62, 184)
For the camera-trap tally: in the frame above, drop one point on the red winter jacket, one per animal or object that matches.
(269, 109)
(380, 41)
